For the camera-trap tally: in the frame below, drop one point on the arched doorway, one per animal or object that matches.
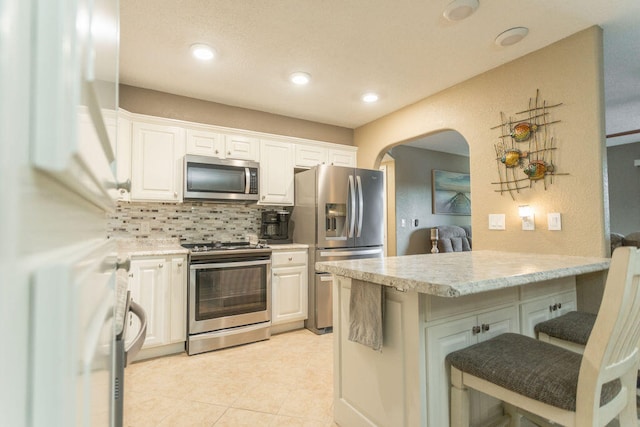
(409, 170)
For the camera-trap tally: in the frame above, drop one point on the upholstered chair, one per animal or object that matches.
(452, 238)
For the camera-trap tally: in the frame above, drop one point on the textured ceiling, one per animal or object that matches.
(403, 49)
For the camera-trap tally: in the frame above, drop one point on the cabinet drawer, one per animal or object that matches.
(281, 259)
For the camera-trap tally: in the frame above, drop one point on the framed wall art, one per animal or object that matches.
(451, 193)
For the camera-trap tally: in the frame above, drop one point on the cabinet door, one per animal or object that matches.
(148, 283)
(342, 157)
(442, 340)
(289, 294)
(307, 156)
(532, 313)
(178, 303)
(205, 143)
(276, 173)
(157, 156)
(565, 303)
(241, 147)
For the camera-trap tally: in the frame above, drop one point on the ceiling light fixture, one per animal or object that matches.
(300, 78)
(458, 10)
(370, 97)
(202, 51)
(511, 36)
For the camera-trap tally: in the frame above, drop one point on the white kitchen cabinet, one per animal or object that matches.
(159, 285)
(540, 310)
(157, 162)
(289, 286)
(242, 147)
(450, 336)
(339, 157)
(307, 156)
(205, 143)
(276, 173)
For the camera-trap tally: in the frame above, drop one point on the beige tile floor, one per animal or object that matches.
(284, 381)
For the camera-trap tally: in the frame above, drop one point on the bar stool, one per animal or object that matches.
(570, 331)
(547, 383)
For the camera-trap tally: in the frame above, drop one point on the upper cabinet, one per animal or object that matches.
(276, 173)
(242, 147)
(205, 143)
(310, 155)
(157, 155)
(342, 157)
(150, 156)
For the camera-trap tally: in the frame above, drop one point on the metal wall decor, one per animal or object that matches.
(526, 148)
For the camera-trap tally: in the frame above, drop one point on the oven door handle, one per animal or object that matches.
(228, 264)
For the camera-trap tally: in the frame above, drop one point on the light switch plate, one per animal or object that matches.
(554, 221)
(496, 222)
(529, 223)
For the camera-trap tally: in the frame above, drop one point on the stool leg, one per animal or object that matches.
(459, 406)
(514, 415)
(629, 415)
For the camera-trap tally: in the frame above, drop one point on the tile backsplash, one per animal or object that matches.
(188, 222)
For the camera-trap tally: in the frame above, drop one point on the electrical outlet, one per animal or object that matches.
(403, 223)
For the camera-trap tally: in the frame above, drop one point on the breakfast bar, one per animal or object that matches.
(433, 305)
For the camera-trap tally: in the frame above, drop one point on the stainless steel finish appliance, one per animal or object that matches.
(274, 227)
(339, 213)
(209, 178)
(229, 295)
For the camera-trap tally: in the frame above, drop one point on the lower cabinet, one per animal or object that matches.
(288, 286)
(159, 285)
(454, 335)
(542, 309)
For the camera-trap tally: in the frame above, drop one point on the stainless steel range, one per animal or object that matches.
(229, 295)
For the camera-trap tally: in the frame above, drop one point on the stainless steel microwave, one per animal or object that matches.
(209, 178)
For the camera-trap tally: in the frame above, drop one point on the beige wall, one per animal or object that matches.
(161, 104)
(569, 71)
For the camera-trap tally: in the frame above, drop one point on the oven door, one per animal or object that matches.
(228, 294)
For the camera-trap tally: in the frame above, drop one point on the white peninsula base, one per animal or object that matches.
(406, 384)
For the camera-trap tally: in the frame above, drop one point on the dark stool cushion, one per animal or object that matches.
(529, 367)
(574, 326)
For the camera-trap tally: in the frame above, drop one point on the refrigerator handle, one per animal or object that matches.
(360, 205)
(351, 218)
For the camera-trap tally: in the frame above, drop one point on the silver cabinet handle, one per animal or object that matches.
(290, 258)
(180, 264)
(160, 265)
(216, 152)
(475, 330)
(485, 327)
(124, 186)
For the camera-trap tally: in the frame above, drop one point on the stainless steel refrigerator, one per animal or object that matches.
(339, 213)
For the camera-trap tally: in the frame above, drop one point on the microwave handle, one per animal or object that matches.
(247, 181)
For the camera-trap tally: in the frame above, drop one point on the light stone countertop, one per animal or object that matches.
(463, 273)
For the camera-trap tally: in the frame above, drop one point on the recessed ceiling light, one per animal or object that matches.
(458, 10)
(511, 36)
(202, 51)
(300, 78)
(370, 97)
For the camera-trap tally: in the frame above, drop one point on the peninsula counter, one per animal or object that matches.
(436, 304)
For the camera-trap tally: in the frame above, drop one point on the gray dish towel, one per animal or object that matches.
(366, 313)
